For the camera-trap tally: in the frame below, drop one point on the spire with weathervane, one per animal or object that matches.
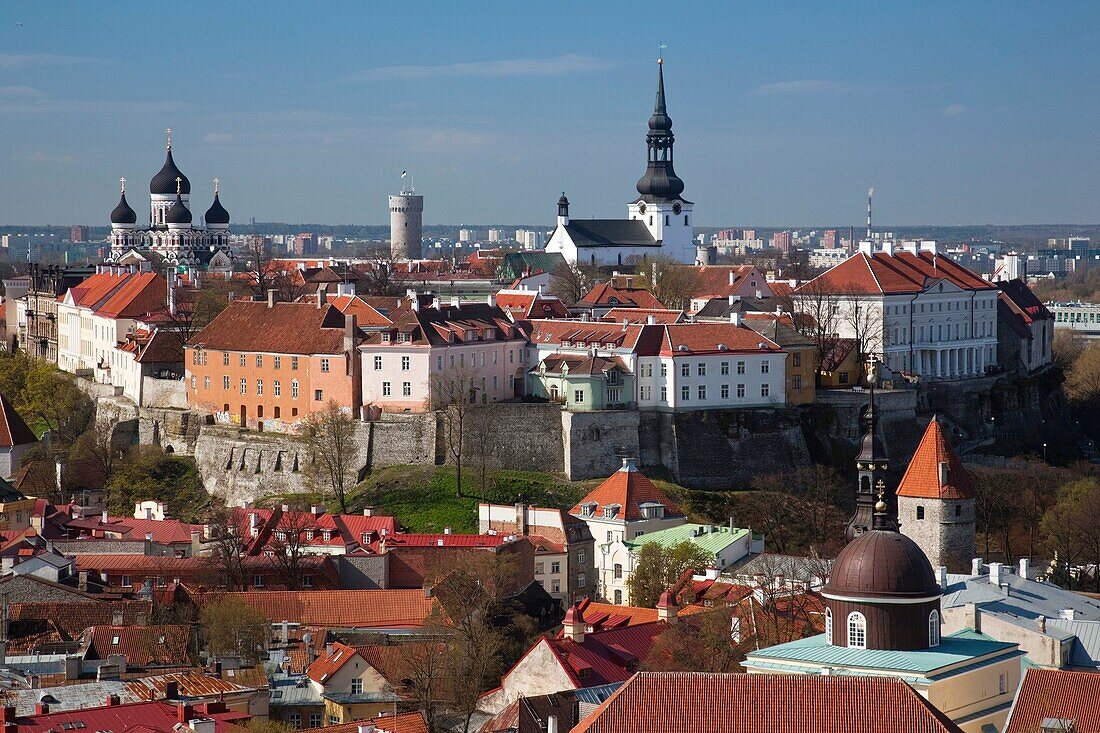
(872, 465)
(660, 182)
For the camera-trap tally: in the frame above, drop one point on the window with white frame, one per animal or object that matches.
(377, 363)
(857, 630)
(934, 628)
(277, 388)
(405, 364)
(828, 626)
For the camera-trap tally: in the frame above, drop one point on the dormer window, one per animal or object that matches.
(588, 510)
(385, 337)
(610, 511)
(327, 534)
(402, 338)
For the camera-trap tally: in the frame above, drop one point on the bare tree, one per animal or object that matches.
(816, 315)
(482, 436)
(670, 282)
(330, 438)
(288, 544)
(424, 671)
(863, 319)
(229, 543)
(571, 281)
(454, 395)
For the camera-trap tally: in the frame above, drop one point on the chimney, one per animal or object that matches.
(491, 300)
(7, 716)
(112, 701)
(941, 572)
(552, 724)
(521, 518)
(284, 632)
(733, 276)
(1067, 614)
(103, 516)
(317, 510)
(454, 302)
(271, 297)
(202, 725)
(996, 574)
(350, 331)
(1041, 623)
(573, 625)
(42, 708)
(976, 566)
(1025, 567)
(651, 320)
(368, 511)
(735, 318)
(943, 473)
(322, 298)
(83, 580)
(447, 530)
(196, 542)
(171, 690)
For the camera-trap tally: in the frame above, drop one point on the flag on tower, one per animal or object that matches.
(404, 173)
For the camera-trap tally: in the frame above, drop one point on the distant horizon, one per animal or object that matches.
(954, 112)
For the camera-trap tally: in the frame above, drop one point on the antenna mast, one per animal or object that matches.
(870, 195)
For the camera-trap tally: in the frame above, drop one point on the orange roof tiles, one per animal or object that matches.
(924, 477)
(641, 315)
(285, 328)
(13, 429)
(686, 702)
(401, 723)
(607, 294)
(399, 609)
(699, 338)
(330, 662)
(143, 646)
(901, 272)
(721, 281)
(627, 489)
(1058, 694)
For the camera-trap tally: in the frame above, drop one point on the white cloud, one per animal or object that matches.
(812, 86)
(11, 60)
(954, 109)
(567, 64)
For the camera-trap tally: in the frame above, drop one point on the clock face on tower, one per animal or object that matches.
(676, 208)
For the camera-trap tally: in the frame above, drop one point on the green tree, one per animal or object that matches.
(658, 568)
(149, 473)
(229, 626)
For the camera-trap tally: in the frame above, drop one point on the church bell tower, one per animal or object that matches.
(872, 465)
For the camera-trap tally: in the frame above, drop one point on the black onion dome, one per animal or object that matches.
(882, 564)
(178, 214)
(217, 214)
(164, 182)
(122, 213)
(660, 182)
(563, 201)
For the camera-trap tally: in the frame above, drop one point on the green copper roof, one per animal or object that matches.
(962, 647)
(711, 542)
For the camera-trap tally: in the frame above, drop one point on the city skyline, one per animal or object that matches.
(968, 115)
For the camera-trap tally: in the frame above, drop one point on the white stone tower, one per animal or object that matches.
(406, 224)
(936, 502)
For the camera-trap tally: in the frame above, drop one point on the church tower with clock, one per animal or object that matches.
(660, 205)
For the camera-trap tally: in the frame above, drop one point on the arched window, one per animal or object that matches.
(934, 628)
(857, 630)
(828, 626)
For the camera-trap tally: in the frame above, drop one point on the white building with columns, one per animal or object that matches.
(922, 313)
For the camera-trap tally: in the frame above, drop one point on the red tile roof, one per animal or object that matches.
(401, 723)
(365, 314)
(640, 315)
(607, 294)
(143, 646)
(709, 338)
(523, 304)
(330, 663)
(721, 281)
(73, 616)
(687, 702)
(601, 616)
(137, 294)
(399, 609)
(285, 328)
(901, 272)
(627, 488)
(13, 429)
(1058, 694)
(606, 656)
(923, 478)
(153, 716)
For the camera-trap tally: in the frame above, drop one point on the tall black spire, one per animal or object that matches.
(660, 182)
(872, 465)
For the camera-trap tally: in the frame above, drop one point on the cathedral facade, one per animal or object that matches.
(171, 234)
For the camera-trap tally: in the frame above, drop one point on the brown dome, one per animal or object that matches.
(882, 564)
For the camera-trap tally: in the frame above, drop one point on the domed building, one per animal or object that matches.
(883, 617)
(171, 233)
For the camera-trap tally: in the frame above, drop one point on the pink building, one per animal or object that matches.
(781, 241)
(828, 241)
(471, 342)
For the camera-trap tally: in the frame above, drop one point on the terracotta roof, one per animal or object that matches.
(901, 272)
(641, 315)
(627, 489)
(523, 304)
(601, 616)
(1022, 300)
(285, 328)
(330, 663)
(607, 294)
(606, 656)
(448, 324)
(161, 347)
(710, 338)
(1061, 695)
(721, 281)
(343, 608)
(143, 646)
(632, 337)
(73, 617)
(687, 702)
(137, 294)
(924, 477)
(391, 660)
(13, 429)
(400, 723)
(153, 716)
(365, 313)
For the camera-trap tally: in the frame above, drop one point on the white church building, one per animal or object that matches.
(659, 220)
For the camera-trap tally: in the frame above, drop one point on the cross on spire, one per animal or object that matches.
(122, 183)
(169, 131)
(179, 185)
(661, 52)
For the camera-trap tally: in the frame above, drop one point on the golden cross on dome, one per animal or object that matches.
(169, 131)
(122, 182)
(179, 185)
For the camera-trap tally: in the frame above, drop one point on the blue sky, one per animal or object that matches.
(957, 112)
